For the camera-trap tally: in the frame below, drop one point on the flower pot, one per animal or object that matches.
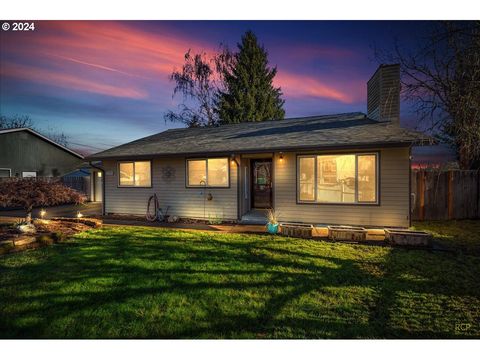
(272, 228)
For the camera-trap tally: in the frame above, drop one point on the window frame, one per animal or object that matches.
(187, 183)
(134, 186)
(9, 171)
(356, 202)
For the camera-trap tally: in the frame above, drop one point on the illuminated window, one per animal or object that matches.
(338, 179)
(307, 179)
(135, 174)
(207, 172)
(367, 178)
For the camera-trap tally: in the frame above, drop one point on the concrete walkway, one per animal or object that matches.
(230, 228)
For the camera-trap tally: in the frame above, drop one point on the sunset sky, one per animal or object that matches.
(106, 83)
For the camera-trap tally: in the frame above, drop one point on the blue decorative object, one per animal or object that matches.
(272, 228)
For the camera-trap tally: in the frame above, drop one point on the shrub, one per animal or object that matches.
(32, 192)
(45, 240)
(59, 236)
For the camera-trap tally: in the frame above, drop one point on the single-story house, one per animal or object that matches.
(26, 153)
(351, 169)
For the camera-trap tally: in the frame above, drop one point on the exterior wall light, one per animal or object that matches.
(232, 159)
(281, 157)
(43, 212)
(79, 215)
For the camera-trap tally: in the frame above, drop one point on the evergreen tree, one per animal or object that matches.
(249, 94)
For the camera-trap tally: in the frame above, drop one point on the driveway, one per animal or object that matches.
(70, 210)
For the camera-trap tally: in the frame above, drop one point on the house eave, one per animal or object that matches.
(260, 150)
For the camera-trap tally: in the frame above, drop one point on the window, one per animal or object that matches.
(207, 172)
(26, 174)
(307, 178)
(135, 174)
(5, 172)
(338, 179)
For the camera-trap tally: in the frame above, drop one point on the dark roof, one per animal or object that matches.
(316, 132)
(33, 132)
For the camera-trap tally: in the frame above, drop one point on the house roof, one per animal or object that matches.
(6, 131)
(315, 132)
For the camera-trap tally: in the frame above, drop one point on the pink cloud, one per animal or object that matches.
(67, 81)
(297, 86)
(121, 60)
(101, 57)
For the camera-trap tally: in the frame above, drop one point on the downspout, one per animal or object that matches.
(103, 185)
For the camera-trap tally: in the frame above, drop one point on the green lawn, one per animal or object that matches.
(457, 235)
(136, 282)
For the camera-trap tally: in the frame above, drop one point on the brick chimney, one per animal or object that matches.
(383, 94)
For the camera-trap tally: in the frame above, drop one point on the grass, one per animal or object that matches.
(139, 282)
(459, 235)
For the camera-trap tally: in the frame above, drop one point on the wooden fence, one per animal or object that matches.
(445, 195)
(79, 183)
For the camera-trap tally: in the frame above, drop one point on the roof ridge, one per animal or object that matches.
(268, 121)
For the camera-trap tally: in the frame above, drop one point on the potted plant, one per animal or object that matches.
(272, 225)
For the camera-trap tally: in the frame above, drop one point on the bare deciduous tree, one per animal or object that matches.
(15, 122)
(442, 79)
(197, 81)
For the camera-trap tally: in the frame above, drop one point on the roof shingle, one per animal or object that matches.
(316, 132)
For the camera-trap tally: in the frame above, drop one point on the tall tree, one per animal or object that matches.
(249, 93)
(442, 79)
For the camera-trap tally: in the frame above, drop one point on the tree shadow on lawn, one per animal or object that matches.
(193, 285)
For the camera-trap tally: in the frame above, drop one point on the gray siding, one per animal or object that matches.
(393, 209)
(22, 151)
(183, 202)
(394, 195)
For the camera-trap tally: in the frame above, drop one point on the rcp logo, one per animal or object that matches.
(463, 327)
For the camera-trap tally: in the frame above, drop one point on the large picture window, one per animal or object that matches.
(135, 174)
(207, 172)
(338, 179)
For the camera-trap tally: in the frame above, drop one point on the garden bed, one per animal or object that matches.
(47, 233)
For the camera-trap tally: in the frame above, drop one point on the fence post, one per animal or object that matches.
(421, 194)
(450, 195)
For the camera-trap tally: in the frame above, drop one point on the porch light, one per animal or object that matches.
(232, 159)
(281, 157)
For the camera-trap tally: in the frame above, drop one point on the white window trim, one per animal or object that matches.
(9, 171)
(133, 162)
(187, 182)
(24, 172)
(356, 202)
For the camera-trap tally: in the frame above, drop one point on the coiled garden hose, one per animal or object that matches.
(149, 216)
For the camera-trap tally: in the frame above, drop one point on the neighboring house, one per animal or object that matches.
(26, 153)
(335, 169)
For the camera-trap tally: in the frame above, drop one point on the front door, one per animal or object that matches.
(261, 183)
